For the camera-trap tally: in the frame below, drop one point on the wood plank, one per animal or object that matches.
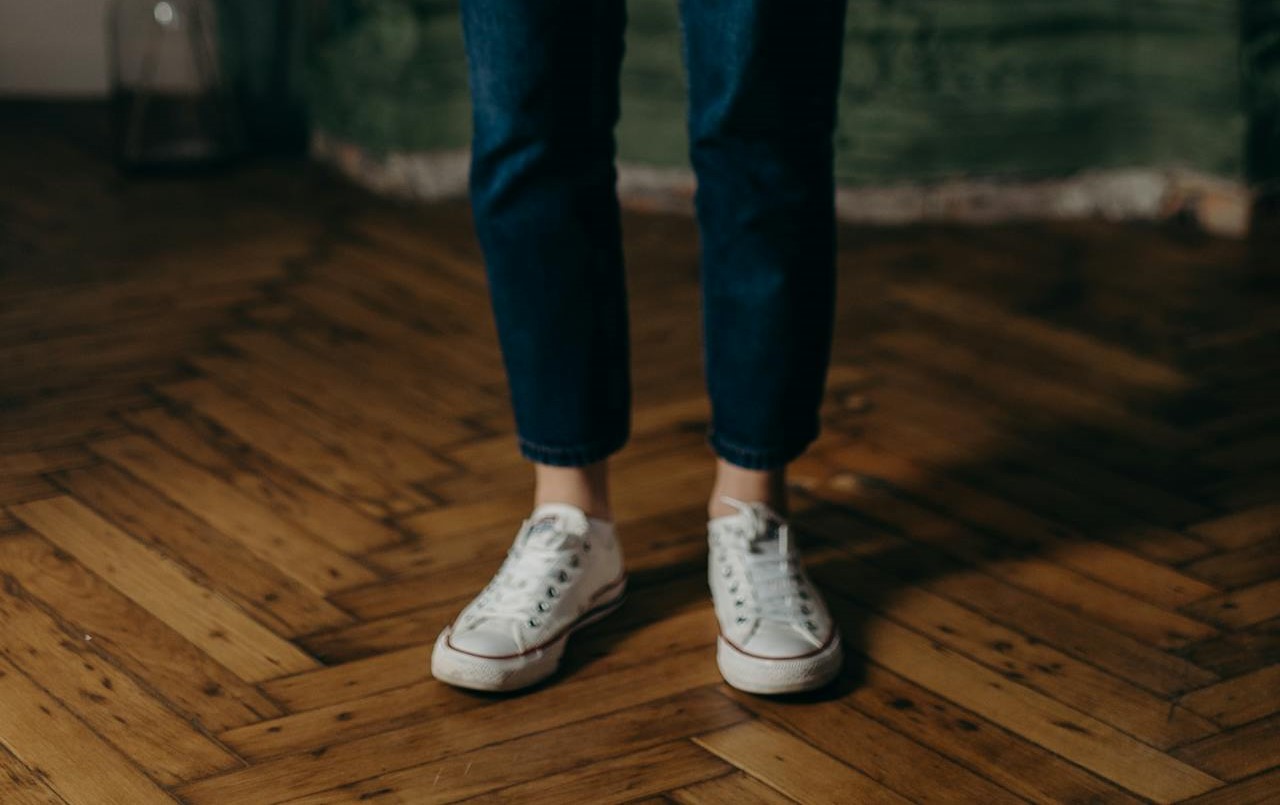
(339, 378)
(620, 779)
(386, 451)
(211, 622)
(1019, 607)
(298, 775)
(36, 462)
(619, 757)
(1239, 567)
(1005, 758)
(22, 786)
(906, 407)
(253, 525)
(311, 453)
(451, 357)
(1241, 608)
(135, 639)
(792, 766)
(1015, 656)
(21, 488)
(1235, 701)
(1237, 653)
(883, 754)
(409, 287)
(1242, 528)
(1090, 356)
(278, 601)
(160, 742)
(1257, 790)
(1235, 754)
(69, 757)
(1037, 398)
(419, 698)
(737, 788)
(1075, 735)
(213, 449)
(1082, 552)
(349, 681)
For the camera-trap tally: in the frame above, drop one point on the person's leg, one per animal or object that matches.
(585, 487)
(763, 79)
(544, 84)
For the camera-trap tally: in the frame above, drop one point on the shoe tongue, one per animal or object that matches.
(550, 523)
(760, 523)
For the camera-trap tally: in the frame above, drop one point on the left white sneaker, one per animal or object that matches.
(776, 635)
(563, 571)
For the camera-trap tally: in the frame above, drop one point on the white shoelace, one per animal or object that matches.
(779, 591)
(529, 582)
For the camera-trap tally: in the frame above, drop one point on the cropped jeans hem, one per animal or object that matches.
(755, 458)
(571, 455)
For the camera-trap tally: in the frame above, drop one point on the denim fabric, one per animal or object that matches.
(763, 77)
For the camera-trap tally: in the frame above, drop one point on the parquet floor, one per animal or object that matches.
(255, 451)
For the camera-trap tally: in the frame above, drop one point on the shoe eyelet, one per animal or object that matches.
(805, 610)
(573, 560)
(804, 596)
(739, 602)
(534, 622)
(726, 571)
(740, 619)
(552, 592)
(733, 588)
(813, 627)
(543, 606)
(586, 546)
(562, 576)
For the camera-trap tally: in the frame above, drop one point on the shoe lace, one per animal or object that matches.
(776, 583)
(529, 581)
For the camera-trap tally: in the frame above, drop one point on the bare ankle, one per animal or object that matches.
(585, 487)
(750, 486)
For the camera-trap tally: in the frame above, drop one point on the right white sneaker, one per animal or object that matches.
(563, 572)
(776, 633)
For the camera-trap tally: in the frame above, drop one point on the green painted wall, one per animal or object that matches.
(932, 88)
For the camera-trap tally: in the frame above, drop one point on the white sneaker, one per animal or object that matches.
(563, 572)
(776, 635)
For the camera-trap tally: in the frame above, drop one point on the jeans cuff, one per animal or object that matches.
(755, 458)
(571, 456)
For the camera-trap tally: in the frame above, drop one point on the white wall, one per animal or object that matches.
(53, 47)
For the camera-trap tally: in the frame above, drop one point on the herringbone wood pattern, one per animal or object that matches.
(256, 452)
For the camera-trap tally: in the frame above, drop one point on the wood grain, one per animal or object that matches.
(256, 451)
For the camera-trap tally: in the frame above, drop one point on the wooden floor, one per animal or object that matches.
(255, 451)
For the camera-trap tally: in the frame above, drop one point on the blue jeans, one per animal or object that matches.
(763, 77)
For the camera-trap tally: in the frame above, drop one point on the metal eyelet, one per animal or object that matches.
(733, 588)
(805, 610)
(573, 560)
(543, 606)
(739, 602)
(726, 572)
(535, 622)
(552, 592)
(562, 576)
(741, 619)
(813, 627)
(804, 596)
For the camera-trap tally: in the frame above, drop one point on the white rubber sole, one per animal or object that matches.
(475, 672)
(767, 676)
